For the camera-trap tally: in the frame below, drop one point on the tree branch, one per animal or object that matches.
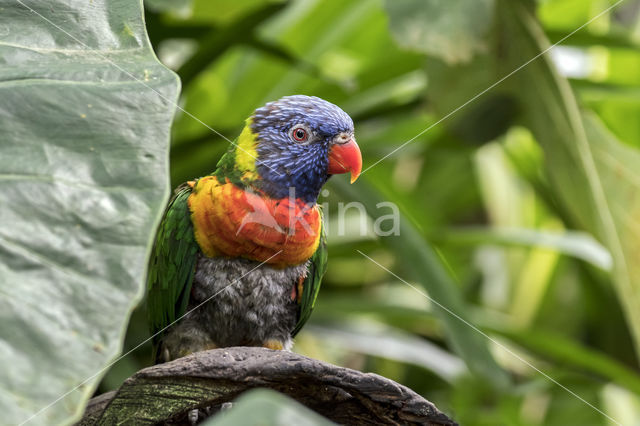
(167, 392)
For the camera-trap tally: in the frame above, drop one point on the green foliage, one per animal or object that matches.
(419, 261)
(83, 178)
(264, 407)
(591, 174)
(516, 182)
(455, 31)
(516, 203)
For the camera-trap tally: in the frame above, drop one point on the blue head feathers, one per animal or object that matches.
(295, 135)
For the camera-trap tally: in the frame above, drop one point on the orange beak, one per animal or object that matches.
(345, 158)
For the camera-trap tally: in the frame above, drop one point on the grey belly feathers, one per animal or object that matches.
(242, 303)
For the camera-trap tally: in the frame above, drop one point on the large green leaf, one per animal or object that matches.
(85, 110)
(596, 178)
(266, 407)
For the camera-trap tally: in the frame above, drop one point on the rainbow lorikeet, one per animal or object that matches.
(242, 251)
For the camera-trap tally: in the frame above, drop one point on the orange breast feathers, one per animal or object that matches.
(230, 221)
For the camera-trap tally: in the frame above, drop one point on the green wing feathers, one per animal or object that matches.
(172, 264)
(311, 285)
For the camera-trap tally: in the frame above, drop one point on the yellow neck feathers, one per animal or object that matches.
(246, 154)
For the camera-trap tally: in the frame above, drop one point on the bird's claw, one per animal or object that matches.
(193, 416)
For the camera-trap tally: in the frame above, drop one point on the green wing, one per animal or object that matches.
(172, 265)
(311, 285)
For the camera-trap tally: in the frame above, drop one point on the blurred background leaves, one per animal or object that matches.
(519, 212)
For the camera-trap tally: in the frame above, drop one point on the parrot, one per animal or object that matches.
(239, 254)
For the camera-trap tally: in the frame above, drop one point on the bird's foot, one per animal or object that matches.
(193, 416)
(198, 415)
(273, 344)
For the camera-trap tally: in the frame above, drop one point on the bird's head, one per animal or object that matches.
(297, 142)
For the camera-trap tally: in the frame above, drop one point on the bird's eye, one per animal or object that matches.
(299, 134)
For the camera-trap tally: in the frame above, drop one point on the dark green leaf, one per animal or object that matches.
(85, 110)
